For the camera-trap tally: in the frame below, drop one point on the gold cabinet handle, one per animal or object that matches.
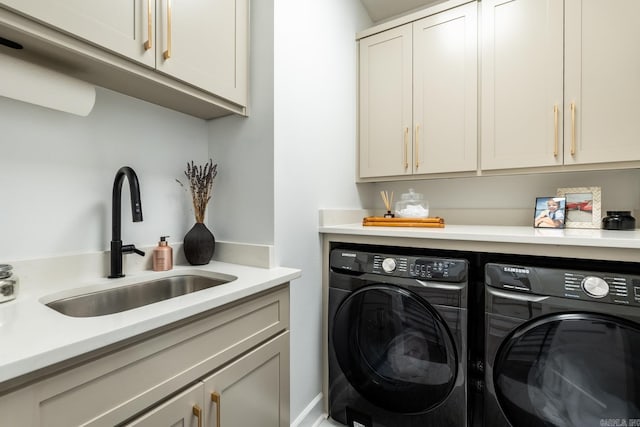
(215, 398)
(555, 127)
(573, 128)
(148, 44)
(167, 53)
(416, 144)
(197, 411)
(406, 148)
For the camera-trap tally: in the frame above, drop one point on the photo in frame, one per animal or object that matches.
(583, 206)
(549, 212)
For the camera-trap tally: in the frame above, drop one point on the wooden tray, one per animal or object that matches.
(379, 221)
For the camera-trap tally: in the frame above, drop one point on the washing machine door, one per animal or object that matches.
(395, 349)
(578, 369)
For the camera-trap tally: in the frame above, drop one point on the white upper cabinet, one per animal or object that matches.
(191, 55)
(445, 91)
(120, 26)
(522, 101)
(204, 43)
(418, 97)
(602, 81)
(560, 83)
(385, 109)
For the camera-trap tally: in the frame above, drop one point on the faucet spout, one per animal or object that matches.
(117, 249)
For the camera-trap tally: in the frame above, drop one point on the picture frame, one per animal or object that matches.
(583, 206)
(549, 212)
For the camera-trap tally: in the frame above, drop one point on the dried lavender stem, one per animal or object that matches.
(201, 183)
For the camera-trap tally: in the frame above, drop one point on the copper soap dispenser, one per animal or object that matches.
(163, 255)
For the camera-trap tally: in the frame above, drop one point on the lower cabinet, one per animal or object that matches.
(228, 367)
(183, 410)
(251, 391)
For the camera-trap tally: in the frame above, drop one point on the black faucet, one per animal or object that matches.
(117, 248)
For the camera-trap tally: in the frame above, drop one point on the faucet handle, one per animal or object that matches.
(127, 249)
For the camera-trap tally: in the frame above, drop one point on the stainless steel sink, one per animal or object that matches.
(124, 298)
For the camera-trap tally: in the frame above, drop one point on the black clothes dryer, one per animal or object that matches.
(562, 344)
(397, 339)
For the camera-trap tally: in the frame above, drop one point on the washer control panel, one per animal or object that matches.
(616, 287)
(447, 270)
(410, 267)
(575, 284)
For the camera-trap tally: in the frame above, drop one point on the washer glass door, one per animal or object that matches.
(395, 349)
(579, 369)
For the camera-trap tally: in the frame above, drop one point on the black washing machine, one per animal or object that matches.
(397, 345)
(562, 343)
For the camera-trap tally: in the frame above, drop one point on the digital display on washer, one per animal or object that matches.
(441, 269)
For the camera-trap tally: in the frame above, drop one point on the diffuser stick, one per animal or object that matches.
(388, 201)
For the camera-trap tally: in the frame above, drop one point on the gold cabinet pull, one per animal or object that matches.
(406, 148)
(197, 411)
(416, 144)
(215, 398)
(573, 128)
(167, 53)
(148, 44)
(555, 127)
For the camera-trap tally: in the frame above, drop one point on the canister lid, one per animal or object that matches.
(412, 195)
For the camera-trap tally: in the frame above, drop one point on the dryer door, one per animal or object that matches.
(578, 369)
(395, 349)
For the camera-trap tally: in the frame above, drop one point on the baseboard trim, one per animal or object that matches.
(312, 415)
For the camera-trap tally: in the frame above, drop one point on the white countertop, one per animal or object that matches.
(33, 336)
(500, 234)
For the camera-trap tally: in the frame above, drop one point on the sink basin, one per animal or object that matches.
(124, 298)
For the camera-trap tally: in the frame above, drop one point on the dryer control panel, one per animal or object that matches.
(575, 284)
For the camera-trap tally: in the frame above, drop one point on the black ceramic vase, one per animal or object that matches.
(199, 245)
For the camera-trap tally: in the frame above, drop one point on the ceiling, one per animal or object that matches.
(381, 10)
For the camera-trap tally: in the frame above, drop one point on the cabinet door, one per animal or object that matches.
(445, 91)
(385, 110)
(253, 390)
(182, 410)
(120, 26)
(522, 88)
(602, 82)
(204, 43)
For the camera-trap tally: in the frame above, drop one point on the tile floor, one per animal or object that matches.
(330, 423)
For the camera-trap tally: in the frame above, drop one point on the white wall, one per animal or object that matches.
(315, 116)
(619, 191)
(294, 153)
(57, 172)
(243, 204)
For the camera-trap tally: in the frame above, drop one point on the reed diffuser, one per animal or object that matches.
(388, 201)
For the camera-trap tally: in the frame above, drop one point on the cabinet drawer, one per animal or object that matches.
(113, 388)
